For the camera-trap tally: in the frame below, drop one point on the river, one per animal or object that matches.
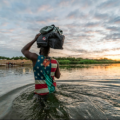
(82, 93)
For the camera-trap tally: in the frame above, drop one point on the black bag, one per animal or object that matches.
(52, 38)
(56, 40)
(42, 40)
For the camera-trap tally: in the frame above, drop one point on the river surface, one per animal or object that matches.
(82, 93)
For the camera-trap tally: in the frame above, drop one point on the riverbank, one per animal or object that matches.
(62, 63)
(15, 62)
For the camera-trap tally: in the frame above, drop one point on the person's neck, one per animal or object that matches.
(44, 55)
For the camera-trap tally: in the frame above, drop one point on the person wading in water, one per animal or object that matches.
(51, 67)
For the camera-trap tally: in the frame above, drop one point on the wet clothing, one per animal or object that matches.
(50, 66)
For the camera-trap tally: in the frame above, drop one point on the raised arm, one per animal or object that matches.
(26, 48)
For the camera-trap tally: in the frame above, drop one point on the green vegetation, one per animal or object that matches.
(13, 58)
(70, 60)
(64, 61)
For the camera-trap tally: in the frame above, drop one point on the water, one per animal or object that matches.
(82, 93)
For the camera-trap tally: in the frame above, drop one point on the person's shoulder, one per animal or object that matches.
(54, 60)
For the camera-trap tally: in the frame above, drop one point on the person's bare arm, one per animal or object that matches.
(26, 48)
(57, 72)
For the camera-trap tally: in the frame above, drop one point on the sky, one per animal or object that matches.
(91, 27)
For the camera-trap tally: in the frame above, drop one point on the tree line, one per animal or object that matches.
(13, 58)
(70, 60)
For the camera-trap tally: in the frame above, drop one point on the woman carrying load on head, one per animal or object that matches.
(42, 63)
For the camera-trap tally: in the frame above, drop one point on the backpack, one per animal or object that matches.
(51, 36)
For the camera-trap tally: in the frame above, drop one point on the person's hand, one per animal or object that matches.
(37, 36)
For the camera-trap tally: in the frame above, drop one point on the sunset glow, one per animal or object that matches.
(91, 28)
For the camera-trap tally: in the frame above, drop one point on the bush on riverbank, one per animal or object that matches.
(87, 61)
(13, 58)
(64, 61)
(70, 60)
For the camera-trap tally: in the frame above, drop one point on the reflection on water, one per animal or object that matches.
(93, 72)
(7, 71)
(14, 77)
(82, 93)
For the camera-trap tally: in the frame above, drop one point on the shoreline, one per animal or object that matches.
(15, 62)
(29, 63)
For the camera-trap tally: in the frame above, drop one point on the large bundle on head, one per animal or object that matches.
(51, 36)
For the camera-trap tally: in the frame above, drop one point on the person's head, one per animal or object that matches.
(44, 51)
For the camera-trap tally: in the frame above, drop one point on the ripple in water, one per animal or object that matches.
(69, 102)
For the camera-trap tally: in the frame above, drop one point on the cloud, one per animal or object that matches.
(101, 16)
(76, 14)
(113, 28)
(9, 52)
(113, 36)
(109, 4)
(92, 24)
(89, 26)
(45, 8)
(115, 20)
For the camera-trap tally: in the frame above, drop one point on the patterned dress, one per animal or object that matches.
(50, 67)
